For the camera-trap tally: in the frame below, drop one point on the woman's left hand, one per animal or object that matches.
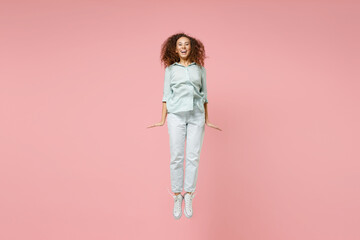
(212, 125)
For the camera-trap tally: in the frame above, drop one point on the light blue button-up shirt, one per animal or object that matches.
(185, 87)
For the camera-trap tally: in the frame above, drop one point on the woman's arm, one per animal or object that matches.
(204, 85)
(204, 91)
(164, 113)
(165, 97)
(206, 112)
(166, 94)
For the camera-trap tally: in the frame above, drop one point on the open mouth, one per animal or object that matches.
(183, 52)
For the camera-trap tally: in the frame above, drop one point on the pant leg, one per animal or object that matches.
(194, 142)
(176, 123)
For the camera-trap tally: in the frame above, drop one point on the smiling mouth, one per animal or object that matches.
(183, 52)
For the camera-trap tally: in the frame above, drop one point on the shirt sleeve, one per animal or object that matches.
(203, 82)
(166, 90)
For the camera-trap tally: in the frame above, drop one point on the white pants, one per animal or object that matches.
(189, 126)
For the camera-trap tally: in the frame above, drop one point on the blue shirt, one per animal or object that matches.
(185, 87)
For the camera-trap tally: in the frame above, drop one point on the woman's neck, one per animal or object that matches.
(184, 62)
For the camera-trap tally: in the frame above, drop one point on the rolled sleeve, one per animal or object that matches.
(167, 90)
(203, 82)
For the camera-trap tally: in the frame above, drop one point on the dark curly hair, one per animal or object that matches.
(168, 55)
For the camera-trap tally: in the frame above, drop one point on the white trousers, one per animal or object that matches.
(189, 126)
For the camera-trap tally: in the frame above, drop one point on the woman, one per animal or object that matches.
(185, 106)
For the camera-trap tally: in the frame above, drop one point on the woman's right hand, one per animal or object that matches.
(159, 124)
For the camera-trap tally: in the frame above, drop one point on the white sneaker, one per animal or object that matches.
(177, 211)
(188, 204)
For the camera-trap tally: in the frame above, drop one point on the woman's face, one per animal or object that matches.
(183, 47)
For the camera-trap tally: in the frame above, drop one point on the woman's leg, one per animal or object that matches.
(176, 123)
(194, 142)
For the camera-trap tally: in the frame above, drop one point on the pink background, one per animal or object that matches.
(81, 81)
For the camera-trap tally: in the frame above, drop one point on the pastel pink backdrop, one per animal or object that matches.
(81, 81)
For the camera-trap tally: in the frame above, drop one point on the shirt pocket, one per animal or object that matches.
(195, 77)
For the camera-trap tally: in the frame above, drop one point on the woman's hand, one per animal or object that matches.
(159, 124)
(212, 125)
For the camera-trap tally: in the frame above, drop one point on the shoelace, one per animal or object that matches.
(177, 200)
(189, 203)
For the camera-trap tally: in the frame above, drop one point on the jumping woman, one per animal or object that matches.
(185, 106)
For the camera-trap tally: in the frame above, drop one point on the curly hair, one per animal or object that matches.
(168, 55)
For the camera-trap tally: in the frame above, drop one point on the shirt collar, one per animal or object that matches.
(176, 63)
